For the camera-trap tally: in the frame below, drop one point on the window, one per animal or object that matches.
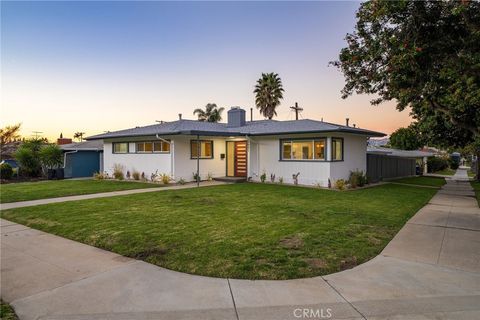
(120, 147)
(337, 149)
(149, 147)
(206, 149)
(303, 149)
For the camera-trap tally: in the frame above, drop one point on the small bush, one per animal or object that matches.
(128, 174)
(100, 175)
(453, 163)
(435, 164)
(280, 180)
(6, 171)
(165, 178)
(28, 161)
(357, 179)
(135, 175)
(272, 177)
(196, 177)
(209, 177)
(263, 177)
(118, 171)
(51, 156)
(340, 184)
(182, 181)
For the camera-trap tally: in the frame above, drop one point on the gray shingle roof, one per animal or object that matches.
(398, 152)
(252, 128)
(85, 145)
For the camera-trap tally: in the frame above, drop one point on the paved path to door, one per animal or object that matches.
(430, 270)
(20, 204)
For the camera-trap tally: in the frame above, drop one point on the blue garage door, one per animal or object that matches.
(82, 164)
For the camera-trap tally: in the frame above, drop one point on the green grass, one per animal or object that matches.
(476, 187)
(7, 312)
(446, 172)
(422, 181)
(24, 191)
(253, 231)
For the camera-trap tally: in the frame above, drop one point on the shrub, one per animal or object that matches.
(182, 181)
(435, 164)
(340, 184)
(6, 171)
(263, 177)
(100, 175)
(209, 177)
(196, 177)
(51, 156)
(118, 171)
(135, 175)
(28, 161)
(357, 179)
(453, 163)
(272, 177)
(280, 180)
(128, 174)
(165, 178)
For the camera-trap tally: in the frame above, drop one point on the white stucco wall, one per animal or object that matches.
(354, 158)
(184, 167)
(266, 158)
(143, 162)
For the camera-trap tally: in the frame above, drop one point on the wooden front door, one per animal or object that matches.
(240, 158)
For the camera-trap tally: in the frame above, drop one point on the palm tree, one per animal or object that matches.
(212, 113)
(78, 135)
(268, 93)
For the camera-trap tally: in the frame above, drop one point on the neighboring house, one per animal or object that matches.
(82, 159)
(387, 163)
(318, 150)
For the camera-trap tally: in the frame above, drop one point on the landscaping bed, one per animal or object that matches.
(476, 187)
(422, 181)
(14, 192)
(250, 231)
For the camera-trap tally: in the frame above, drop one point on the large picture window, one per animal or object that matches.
(206, 149)
(337, 149)
(120, 147)
(153, 147)
(311, 149)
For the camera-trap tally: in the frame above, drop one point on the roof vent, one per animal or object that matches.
(346, 121)
(179, 116)
(236, 117)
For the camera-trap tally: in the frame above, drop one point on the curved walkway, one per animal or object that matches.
(430, 270)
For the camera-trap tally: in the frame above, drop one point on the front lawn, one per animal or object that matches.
(7, 312)
(253, 231)
(13, 192)
(422, 181)
(446, 172)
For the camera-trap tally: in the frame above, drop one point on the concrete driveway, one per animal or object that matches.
(430, 270)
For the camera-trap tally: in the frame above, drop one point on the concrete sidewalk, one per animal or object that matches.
(430, 270)
(20, 204)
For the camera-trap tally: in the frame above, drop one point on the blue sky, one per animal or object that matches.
(95, 66)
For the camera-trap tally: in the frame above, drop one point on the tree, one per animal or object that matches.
(425, 56)
(27, 156)
(406, 139)
(10, 133)
(212, 113)
(268, 93)
(51, 156)
(78, 135)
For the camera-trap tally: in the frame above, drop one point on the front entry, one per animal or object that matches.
(236, 158)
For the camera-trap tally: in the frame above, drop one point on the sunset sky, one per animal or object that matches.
(98, 66)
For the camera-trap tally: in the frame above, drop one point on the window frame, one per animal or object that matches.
(199, 157)
(310, 139)
(343, 149)
(153, 147)
(115, 143)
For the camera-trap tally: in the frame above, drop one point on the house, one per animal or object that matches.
(387, 163)
(82, 159)
(318, 150)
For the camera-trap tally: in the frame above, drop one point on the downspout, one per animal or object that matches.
(65, 157)
(172, 154)
(198, 161)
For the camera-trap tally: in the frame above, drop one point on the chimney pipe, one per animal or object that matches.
(354, 125)
(346, 121)
(251, 114)
(179, 116)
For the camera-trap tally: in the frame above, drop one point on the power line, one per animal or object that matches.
(297, 109)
